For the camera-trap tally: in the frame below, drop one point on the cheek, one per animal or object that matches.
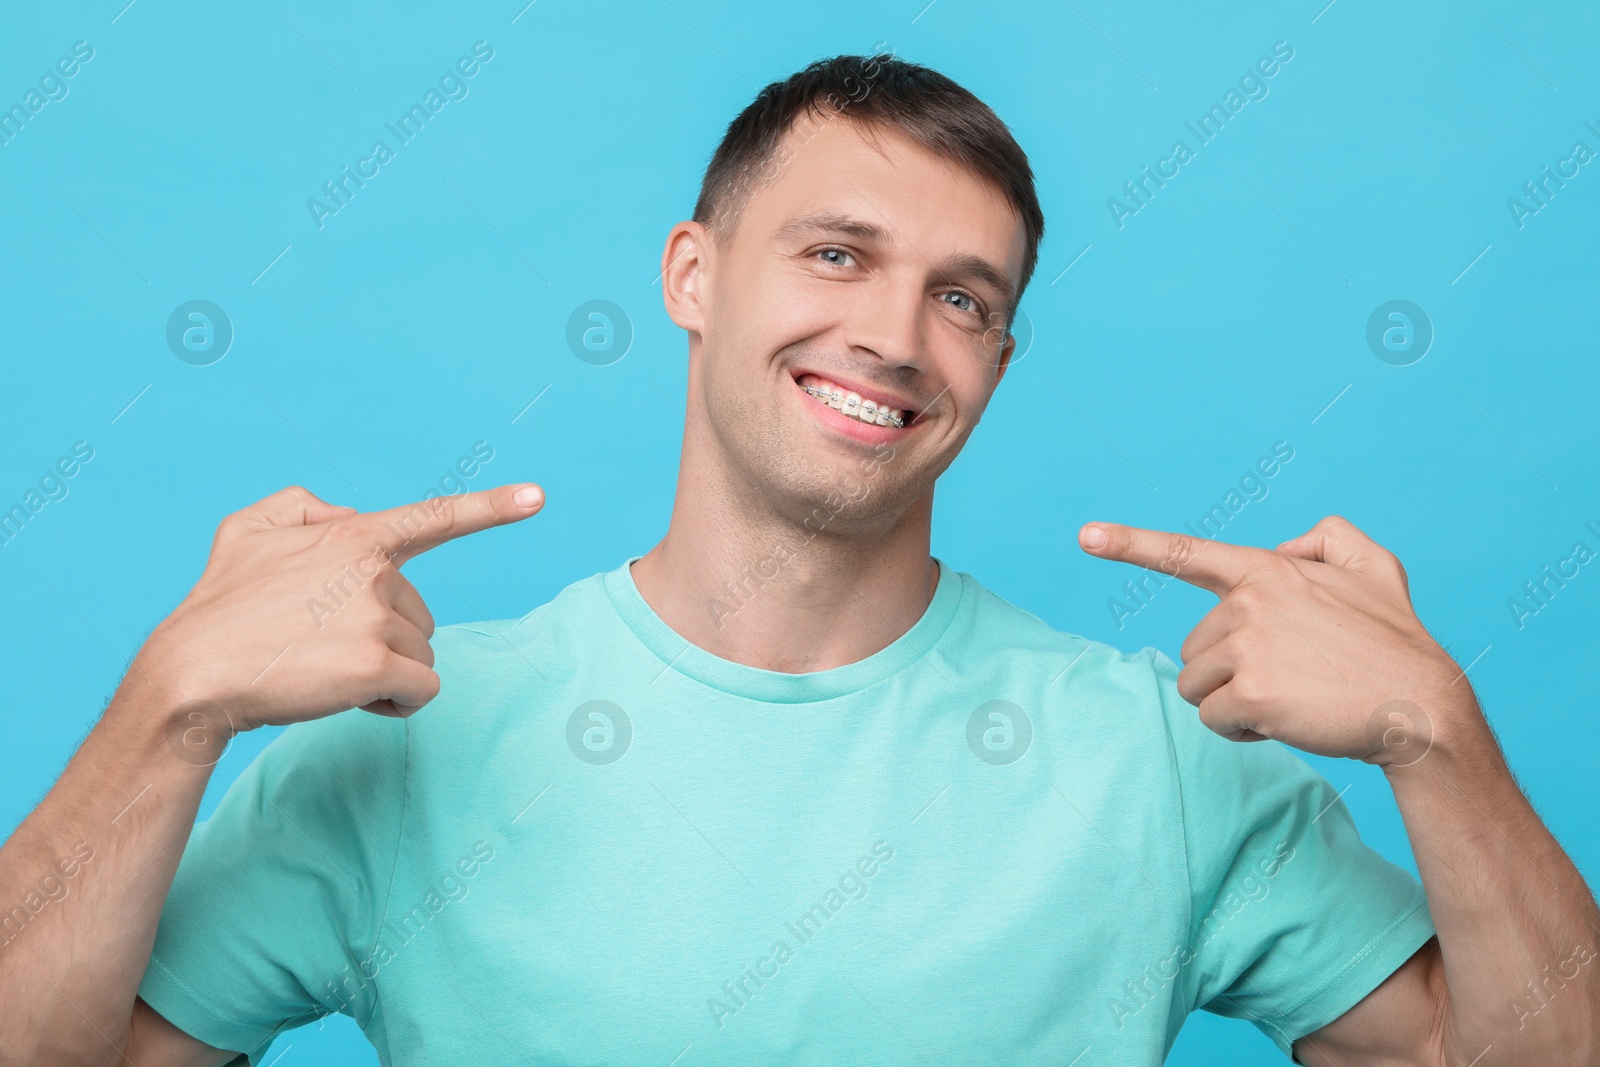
(972, 385)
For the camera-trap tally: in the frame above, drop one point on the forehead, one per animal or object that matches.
(931, 207)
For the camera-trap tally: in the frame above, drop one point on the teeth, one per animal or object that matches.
(852, 404)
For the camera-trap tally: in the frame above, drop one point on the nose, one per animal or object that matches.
(889, 320)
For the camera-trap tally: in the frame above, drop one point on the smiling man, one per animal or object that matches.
(786, 788)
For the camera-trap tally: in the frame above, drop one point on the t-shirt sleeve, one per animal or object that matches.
(278, 897)
(1294, 918)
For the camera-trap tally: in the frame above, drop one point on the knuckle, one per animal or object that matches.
(369, 614)
(1275, 566)
(370, 661)
(426, 688)
(1187, 688)
(1271, 569)
(1247, 599)
(343, 531)
(1251, 690)
(288, 494)
(1177, 555)
(446, 514)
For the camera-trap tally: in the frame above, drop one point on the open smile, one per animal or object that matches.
(872, 418)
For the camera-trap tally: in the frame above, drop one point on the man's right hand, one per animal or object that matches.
(302, 612)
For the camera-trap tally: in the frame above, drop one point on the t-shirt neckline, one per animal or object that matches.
(755, 683)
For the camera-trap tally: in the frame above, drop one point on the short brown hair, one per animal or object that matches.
(876, 90)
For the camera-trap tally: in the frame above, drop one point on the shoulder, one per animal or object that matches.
(581, 602)
(989, 623)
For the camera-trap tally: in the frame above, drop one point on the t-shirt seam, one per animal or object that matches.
(1366, 950)
(954, 612)
(197, 1000)
(1183, 828)
(394, 868)
(190, 992)
(471, 627)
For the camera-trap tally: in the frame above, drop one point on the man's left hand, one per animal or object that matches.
(1314, 644)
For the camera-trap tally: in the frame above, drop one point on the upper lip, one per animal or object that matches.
(877, 396)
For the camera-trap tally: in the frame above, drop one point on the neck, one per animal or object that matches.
(765, 589)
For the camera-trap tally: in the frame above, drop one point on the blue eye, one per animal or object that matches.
(835, 251)
(971, 304)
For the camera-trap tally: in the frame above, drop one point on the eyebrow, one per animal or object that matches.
(963, 264)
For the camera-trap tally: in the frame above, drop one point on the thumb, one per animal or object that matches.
(294, 506)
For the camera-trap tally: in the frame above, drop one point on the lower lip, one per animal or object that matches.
(867, 433)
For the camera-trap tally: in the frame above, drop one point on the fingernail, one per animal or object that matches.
(529, 496)
(1092, 537)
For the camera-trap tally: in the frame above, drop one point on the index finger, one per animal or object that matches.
(1211, 565)
(411, 529)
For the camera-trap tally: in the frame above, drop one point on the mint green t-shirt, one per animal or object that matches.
(988, 843)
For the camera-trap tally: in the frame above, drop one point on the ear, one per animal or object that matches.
(1005, 357)
(686, 265)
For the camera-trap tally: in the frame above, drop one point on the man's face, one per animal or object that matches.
(863, 268)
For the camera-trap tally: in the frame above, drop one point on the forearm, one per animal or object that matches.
(1518, 927)
(83, 880)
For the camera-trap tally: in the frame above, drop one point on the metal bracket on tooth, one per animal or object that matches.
(814, 391)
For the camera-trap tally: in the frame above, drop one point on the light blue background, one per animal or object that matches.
(1225, 316)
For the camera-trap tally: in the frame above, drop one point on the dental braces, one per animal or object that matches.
(845, 402)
